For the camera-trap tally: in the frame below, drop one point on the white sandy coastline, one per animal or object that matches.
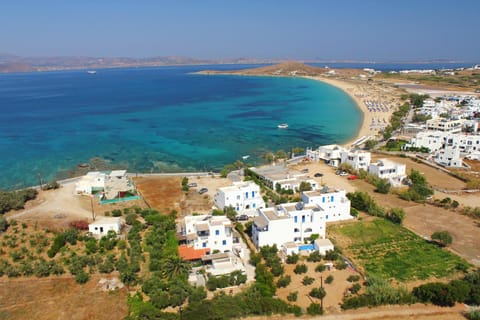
(367, 117)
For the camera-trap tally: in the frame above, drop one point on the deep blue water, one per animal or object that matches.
(159, 119)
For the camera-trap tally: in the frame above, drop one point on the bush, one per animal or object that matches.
(314, 257)
(329, 279)
(292, 296)
(116, 213)
(318, 293)
(442, 237)
(353, 278)
(307, 280)
(314, 309)
(292, 259)
(382, 186)
(82, 277)
(341, 265)
(130, 218)
(320, 268)
(58, 243)
(300, 268)
(355, 288)
(284, 281)
(396, 215)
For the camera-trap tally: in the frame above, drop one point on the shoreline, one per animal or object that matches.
(345, 86)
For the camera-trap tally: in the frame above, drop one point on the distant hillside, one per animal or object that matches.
(15, 67)
(281, 69)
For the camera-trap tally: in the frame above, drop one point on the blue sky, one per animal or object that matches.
(369, 30)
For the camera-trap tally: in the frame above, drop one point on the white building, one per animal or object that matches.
(441, 124)
(358, 159)
(90, 183)
(438, 140)
(290, 222)
(330, 154)
(323, 245)
(449, 157)
(109, 183)
(334, 203)
(100, 227)
(284, 177)
(244, 197)
(207, 233)
(386, 169)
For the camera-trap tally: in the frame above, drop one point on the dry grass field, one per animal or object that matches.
(59, 298)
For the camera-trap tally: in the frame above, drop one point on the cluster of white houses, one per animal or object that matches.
(452, 133)
(334, 155)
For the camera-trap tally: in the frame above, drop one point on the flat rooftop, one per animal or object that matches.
(320, 192)
(279, 172)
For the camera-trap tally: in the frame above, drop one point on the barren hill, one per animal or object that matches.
(282, 69)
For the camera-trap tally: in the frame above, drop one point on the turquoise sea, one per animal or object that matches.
(159, 120)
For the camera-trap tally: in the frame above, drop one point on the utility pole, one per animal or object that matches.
(321, 286)
(91, 203)
(40, 180)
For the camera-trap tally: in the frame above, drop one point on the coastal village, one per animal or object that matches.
(389, 218)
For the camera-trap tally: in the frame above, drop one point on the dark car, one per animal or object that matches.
(242, 217)
(318, 175)
(203, 190)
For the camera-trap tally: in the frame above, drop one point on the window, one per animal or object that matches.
(308, 230)
(217, 232)
(254, 205)
(326, 217)
(295, 219)
(303, 219)
(323, 199)
(224, 242)
(296, 230)
(253, 194)
(204, 245)
(246, 195)
(331, 198)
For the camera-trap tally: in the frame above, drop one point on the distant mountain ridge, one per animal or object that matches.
(14, 63)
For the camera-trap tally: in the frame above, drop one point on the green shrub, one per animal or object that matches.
(318, 293)
(82, 277)
(300, 268)
(292, 296)
(306, 281)
(314, 309)
(284, 281)
(329, 279)
(292, 259)
(355, 288)
(320, 268)
(353, 278)
(314, 257)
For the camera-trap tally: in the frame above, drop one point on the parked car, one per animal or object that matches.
(203, 190)
(352, 177)
(318, 175)
(304, 170)
(242, 217)
(343, 174)
(192, 185)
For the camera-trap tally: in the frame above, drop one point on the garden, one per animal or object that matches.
(389, 250)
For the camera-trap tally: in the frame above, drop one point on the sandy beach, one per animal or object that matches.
(372, 122)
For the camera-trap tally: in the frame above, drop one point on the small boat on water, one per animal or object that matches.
(282, 126)
(245, 157)
(91, 71)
